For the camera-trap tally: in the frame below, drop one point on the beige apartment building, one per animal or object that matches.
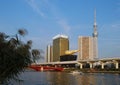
(85, 45)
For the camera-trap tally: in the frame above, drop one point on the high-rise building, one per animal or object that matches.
(88, 46)
(60, 45)
(85, 45)
(95, 38)
(49, 54)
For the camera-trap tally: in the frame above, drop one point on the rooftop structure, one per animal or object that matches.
(60, 36)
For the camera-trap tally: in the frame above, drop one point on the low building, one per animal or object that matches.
(68, 57)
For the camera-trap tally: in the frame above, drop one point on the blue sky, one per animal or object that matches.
(46, 18)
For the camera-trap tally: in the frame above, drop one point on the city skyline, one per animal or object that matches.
(44, 19)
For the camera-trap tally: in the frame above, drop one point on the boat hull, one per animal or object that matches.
(45, 68)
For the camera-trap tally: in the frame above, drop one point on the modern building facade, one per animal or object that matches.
(49, 54)
(85, 45)
(60, 45)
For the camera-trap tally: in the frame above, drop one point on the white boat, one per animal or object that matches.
(76, 72)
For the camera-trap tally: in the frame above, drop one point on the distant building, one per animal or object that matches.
(68, 57)
(85, 45)
(49, 54)
(60, 45)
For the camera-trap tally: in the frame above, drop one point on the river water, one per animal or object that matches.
(64, 78)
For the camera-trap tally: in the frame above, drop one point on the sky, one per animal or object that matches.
(44, 19)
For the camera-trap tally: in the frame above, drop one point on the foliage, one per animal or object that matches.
(36, 54)
(14, 56)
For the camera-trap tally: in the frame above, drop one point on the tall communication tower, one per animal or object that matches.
(95, 38)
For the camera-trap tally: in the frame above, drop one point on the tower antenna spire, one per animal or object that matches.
(95, 36)
(95, 17)
(95, 23)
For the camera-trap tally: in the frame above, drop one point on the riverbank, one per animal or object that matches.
(113, 72)
(93, 70)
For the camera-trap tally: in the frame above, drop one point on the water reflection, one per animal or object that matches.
(62, 78)
(58, 78)
(86, 79)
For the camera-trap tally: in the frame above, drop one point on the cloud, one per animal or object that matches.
(35, 7)
(64, 25)
(116, 25)
(50, 11)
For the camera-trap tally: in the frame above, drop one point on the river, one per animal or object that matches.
(63, 78)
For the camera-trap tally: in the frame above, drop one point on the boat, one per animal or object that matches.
(76, 72)
(45, 68)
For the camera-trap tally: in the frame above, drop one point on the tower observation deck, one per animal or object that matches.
(95, 38)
